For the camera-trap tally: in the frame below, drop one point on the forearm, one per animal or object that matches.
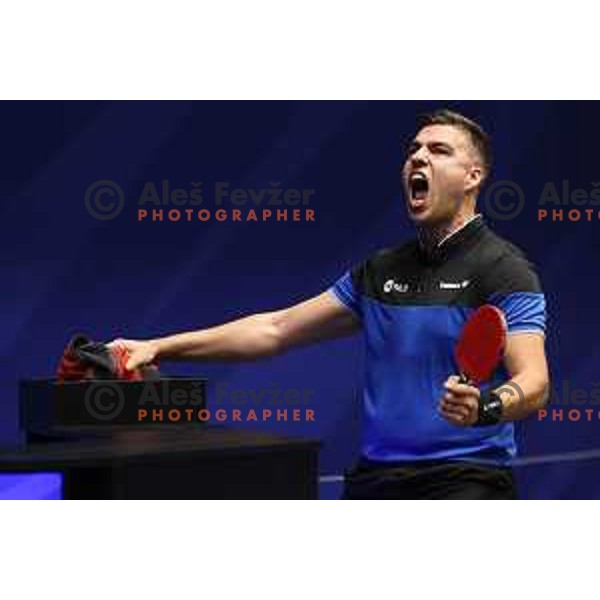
(523, 395)
(249, 338)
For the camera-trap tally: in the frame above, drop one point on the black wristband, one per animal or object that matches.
(490, 409)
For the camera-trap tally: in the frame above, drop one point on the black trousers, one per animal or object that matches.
(428, 480)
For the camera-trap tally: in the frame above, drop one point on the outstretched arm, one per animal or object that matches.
(256, 336)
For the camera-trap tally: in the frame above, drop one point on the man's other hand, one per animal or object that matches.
(460, 403)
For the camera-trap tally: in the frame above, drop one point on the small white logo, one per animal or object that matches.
(457, 285)
(390, 285)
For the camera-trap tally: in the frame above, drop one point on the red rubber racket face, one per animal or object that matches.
(481, 344)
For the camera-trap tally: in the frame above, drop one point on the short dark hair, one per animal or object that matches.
(479, 138)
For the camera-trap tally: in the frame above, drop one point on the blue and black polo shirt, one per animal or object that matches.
(413, 304)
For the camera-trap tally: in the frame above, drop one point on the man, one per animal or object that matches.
(425, 434)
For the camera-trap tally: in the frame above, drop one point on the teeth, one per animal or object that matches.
(417, 176)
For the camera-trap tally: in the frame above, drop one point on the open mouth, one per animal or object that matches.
(419, 188)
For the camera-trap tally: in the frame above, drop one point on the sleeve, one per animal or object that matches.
(347, 289)
(514, 287)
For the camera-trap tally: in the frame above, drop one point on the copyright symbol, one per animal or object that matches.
(504, 200)
(104, 200)
(104, 401)
(514, 391)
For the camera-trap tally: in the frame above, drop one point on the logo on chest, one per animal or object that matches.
(390, 285)
(424, 286)
(454, 285)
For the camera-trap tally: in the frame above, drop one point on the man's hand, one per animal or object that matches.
(460, 403)
(141, 353)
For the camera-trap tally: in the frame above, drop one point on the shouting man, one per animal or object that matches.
(426, 434)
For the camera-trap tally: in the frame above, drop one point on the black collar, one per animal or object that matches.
(458, 239)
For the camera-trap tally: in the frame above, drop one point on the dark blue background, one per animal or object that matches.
(64, 271)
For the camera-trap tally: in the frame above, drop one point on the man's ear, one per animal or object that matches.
(474, 178)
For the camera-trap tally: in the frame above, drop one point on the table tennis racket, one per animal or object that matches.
(481, 345)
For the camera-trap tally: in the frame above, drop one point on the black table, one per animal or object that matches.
(178, 462)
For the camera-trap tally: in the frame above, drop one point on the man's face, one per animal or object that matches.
(440, 169)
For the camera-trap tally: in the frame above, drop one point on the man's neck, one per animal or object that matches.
(431, 237)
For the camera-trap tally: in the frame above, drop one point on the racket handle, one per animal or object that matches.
(464, 378)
